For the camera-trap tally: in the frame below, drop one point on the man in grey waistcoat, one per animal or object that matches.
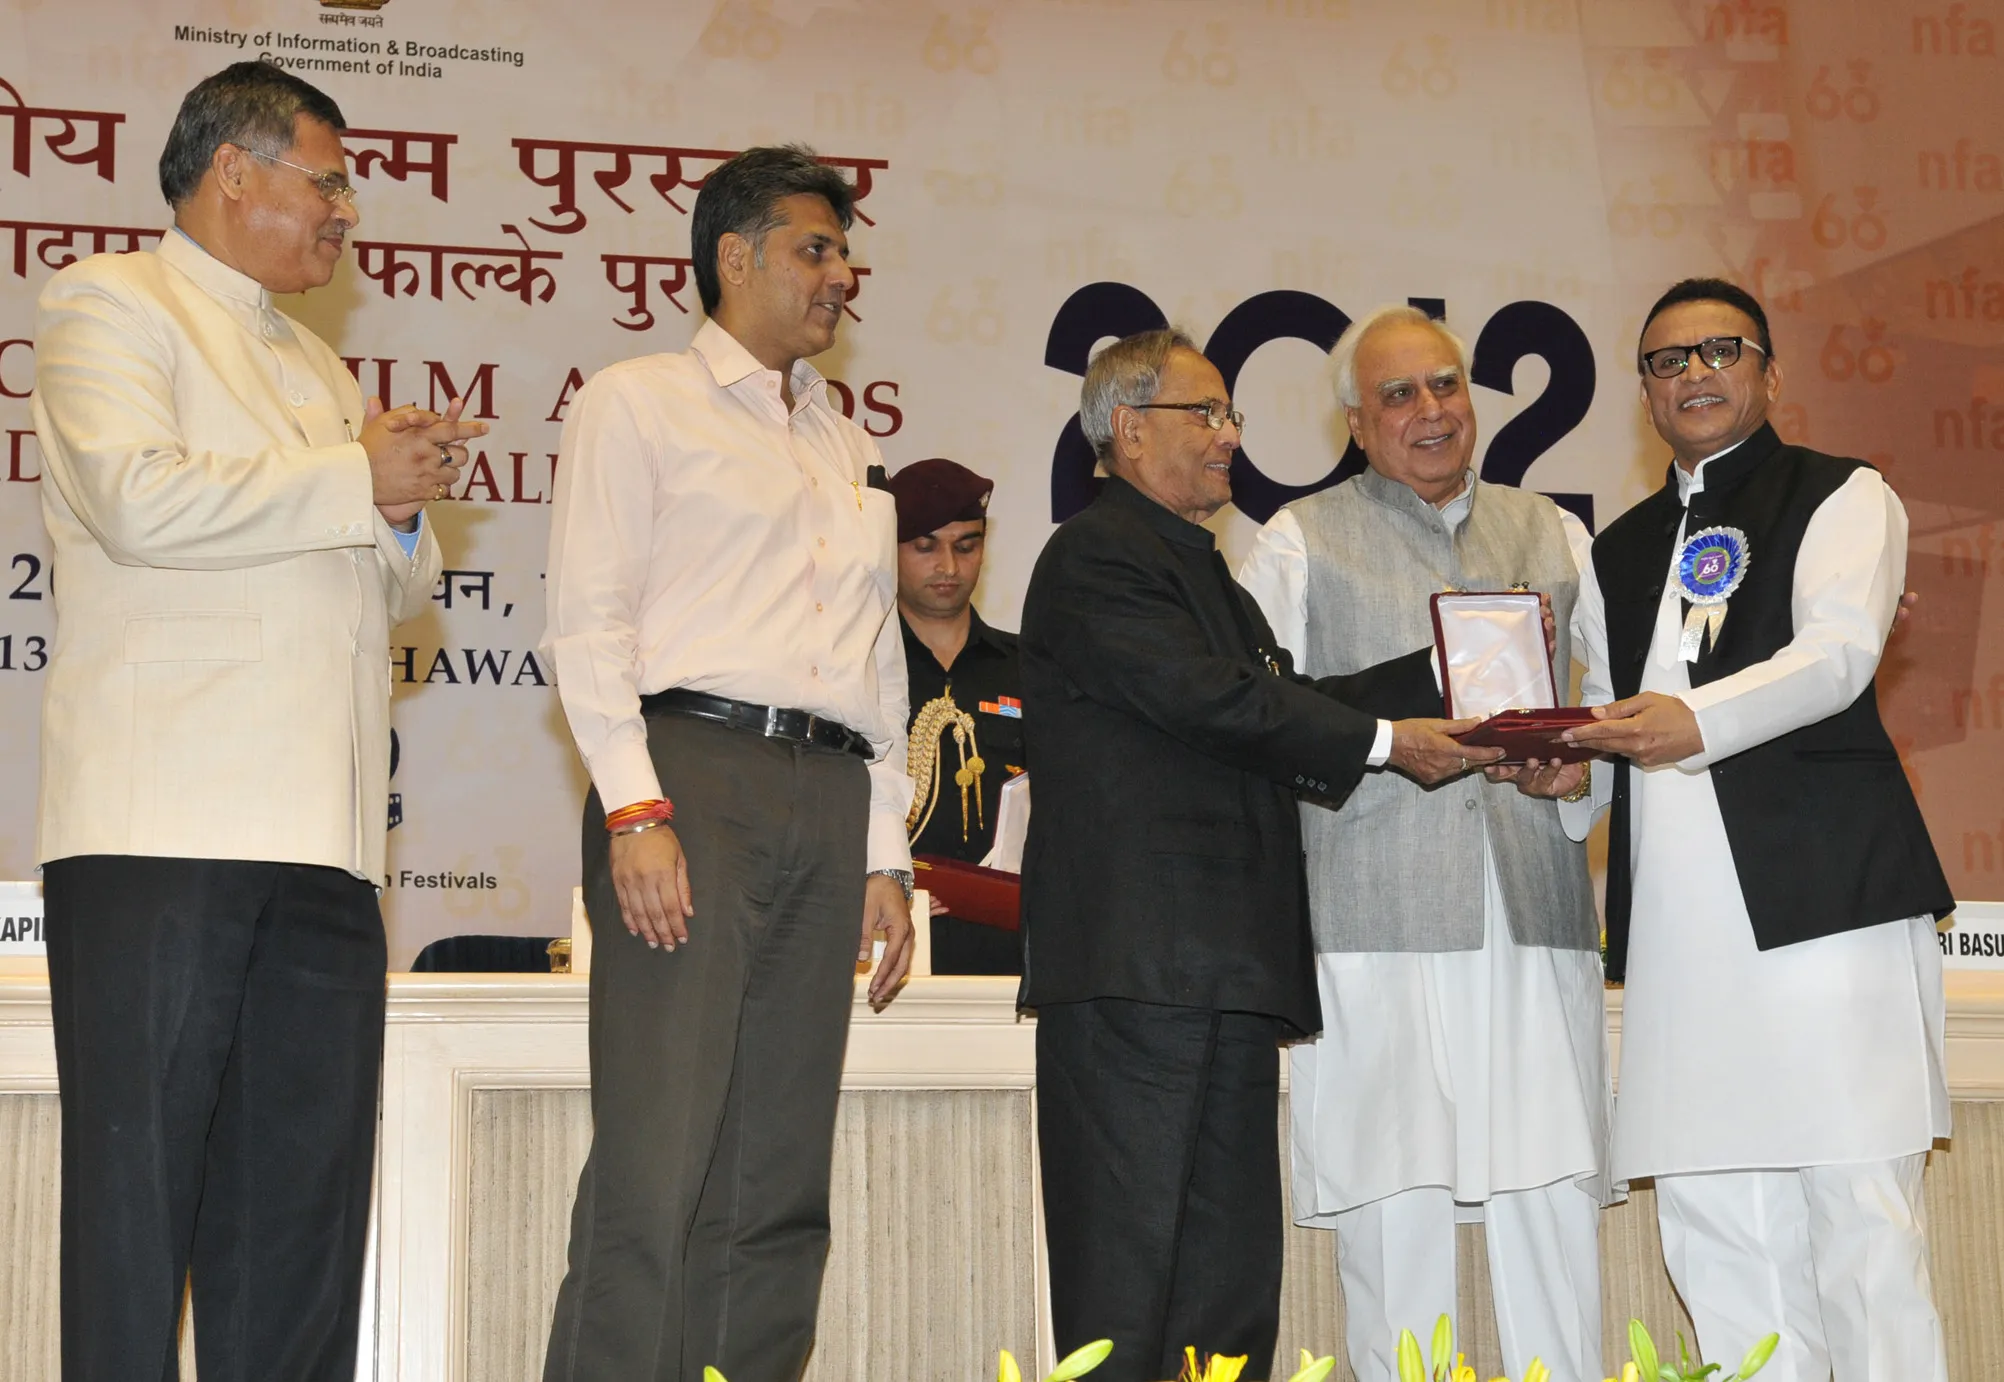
(1462, 1071)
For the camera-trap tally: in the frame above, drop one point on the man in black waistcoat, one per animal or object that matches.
(1772, 890)
(1167, 947)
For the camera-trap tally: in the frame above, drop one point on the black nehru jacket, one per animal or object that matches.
(1170, 735)
(1825, 833)
(985, 681)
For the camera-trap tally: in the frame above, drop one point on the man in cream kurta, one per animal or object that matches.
(235, 531)
(1772, 892)
(1461, 1073)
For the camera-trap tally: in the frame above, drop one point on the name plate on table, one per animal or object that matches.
(1494, 662)
(1976, 940)
(21, 919)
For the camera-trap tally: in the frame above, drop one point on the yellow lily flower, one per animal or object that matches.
(1005, 1369)
(1314, 1369)
(1411, 1368)
(1226, 1369)
(1443, 1347)
(1216, 1368)
(1080, 1361)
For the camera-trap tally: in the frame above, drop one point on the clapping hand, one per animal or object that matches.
(414, 455)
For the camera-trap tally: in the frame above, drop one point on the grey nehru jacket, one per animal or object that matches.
(1399, 867)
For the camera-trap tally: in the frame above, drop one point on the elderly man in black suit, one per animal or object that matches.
(1167, 948)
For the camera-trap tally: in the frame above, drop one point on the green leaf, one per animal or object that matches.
(1081, 1361)
(1443, 1346)
(1758, 1355)
(1314, 1369)
(1411, 1369)
(1643, 1350)
(1683, 1353)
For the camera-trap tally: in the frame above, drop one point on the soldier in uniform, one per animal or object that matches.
(965, 695)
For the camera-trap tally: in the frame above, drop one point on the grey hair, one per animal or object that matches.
(1343, 358)
(1127, 373)
(250, 104)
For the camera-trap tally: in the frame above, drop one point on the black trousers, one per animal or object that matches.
(700, 1228)
(219, 1040)
(1158, 1129)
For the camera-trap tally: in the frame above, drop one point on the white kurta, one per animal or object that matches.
(1733, 1058)
(1482, 1071)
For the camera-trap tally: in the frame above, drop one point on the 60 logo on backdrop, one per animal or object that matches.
(1520, 330)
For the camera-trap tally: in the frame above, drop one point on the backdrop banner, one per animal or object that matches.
(1037, 176)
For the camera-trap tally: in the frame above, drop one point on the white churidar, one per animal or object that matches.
(1834, 1258)
(1396, 1258)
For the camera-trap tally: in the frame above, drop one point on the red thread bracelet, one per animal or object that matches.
(660, 809)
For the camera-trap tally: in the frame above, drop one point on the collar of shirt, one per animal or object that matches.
(1122, 495)
(211, 274)
(1693, 481)
(980, 638)
(1724, 471)
(737, 369)
(1456, 510)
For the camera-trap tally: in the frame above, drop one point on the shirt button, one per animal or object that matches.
(817, 607)
(1470, 803)
(814, 671)
(298, 399)
(814, 482)
(820, 542)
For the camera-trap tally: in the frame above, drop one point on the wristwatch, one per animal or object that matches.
(904, 877)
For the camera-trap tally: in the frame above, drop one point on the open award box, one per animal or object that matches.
(1494, 662)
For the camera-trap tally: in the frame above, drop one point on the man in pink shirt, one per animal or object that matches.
(722, 576)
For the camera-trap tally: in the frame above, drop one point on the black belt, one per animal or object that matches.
(774, 722)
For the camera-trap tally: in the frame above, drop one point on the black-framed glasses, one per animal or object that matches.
(1718, 352)
(1215, 415)
(335, 187)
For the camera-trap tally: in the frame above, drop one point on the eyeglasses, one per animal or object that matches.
(335, 187)
(1718, 352)
(1215, 417)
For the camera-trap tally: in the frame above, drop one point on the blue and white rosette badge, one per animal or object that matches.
(1710, 568)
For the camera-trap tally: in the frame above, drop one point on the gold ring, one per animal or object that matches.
(444, 454)
(438, 492)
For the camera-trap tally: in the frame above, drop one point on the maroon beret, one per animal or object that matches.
(934, 493)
